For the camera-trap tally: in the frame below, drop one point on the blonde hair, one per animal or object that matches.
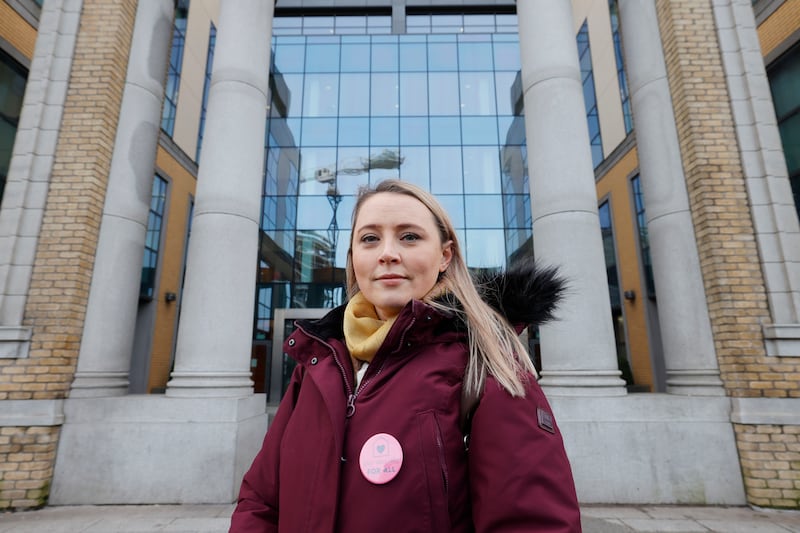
(494, 346)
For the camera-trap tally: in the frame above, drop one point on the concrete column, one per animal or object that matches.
(578, 350)
(107, 344)
(689, 353)
(31, 164)
(216, 325)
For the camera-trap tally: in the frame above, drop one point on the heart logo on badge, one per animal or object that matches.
(381, 458)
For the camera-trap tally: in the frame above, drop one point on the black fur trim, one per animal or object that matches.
(526, 293)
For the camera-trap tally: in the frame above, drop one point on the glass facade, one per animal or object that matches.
(589, 94)
(644, 239)
(784, 80)
(174, 68)
(158, 201)
(624, 94)
(440, 110)
(212, 41)
(13, 78)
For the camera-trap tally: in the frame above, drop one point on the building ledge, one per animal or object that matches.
(782, 340)
(14, 342)
(773, 411)
(27, 413)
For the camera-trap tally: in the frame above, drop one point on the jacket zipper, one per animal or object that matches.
(352, 395)
(440, 446)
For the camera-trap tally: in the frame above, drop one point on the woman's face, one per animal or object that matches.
(397, 253)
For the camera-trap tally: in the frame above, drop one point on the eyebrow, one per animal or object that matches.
(400, 227)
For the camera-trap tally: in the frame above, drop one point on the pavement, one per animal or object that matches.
(216, 518)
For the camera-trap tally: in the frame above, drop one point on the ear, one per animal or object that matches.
(447, 255)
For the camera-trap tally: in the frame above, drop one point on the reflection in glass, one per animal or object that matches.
(354, 95)
(322, 58)
(314, 162)
(442, 56)
(384, 95)
(384, 58)
(475, 56)
(413, 131)
(454, 205)
(413, 57)
(479, 130)
(443, 93)
(290, 58)
(485, 249)
(352, 169)
(413, 94)
(321, 95)
(319, 132)
(445, 130)
(355, 57)
(384, 131)
(481, 169)
(477, 93)
(415, 166)
(446, 172)
(483, 211)
(354, 131)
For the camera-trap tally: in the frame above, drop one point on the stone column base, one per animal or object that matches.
(156, 450)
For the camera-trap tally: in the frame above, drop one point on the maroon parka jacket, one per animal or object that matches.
(514, 477)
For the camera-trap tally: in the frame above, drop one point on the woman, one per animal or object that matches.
(409, 409)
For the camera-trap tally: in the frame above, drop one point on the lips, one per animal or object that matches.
(390, 277)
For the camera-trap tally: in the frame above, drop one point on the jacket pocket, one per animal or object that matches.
(435, 469)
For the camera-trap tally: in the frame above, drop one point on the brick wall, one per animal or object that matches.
(62, 273)
(734, 285)
(780, 25)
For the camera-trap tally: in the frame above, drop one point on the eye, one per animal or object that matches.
(369, 238)
(411, 237)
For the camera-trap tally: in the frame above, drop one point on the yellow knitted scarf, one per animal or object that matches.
(364, 332)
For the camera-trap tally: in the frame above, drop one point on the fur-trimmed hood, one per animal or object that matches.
(526, 294)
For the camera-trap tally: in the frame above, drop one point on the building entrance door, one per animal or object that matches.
(281, 366)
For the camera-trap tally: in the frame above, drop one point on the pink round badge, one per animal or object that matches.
(381, 458)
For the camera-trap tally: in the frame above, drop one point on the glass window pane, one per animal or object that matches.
(477, 93)
(413, 131)
(352, 170)
(384, 58)
(479, 130)
(445, 130)
(485, 248)
(287, 95)
(509, 93)
(511, 130)
(481, 169)
(506, 56)
(285, 132)
(415, 167)
(413, 94)
(289, 58)
(446, 170)
(384, 163)
(384, 131)
(453, 204)
(413, 57)
(313, 212)
(354, 95)
(442, 56)
(475, 56)
(319, 132)
(483, 211)
(384, 95)
(355, 57)
(516, 211)
(315, 162)
(322, 58)
(321, 95)
(443, 93)
(354, 131)
(790, 137)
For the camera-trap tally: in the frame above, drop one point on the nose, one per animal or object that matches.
(389, 253)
